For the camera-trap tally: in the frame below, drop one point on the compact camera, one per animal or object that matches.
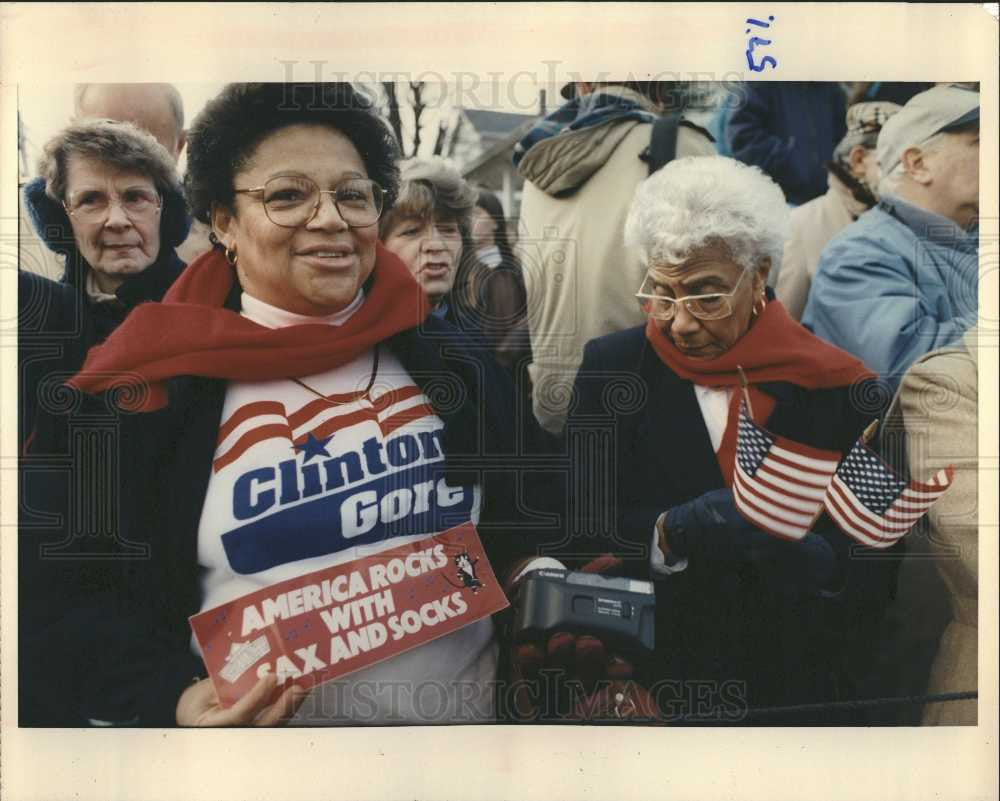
(619, 611)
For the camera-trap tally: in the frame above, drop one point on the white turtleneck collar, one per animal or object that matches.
(272, 317)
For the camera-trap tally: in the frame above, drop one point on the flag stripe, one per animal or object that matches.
(249, 425)
(822, 466)
(855, 511)
(764, 498)
(901, 511)
(864, 478)
(387, 399)
(244, 413)
(379, 404)
(839, 515)
(793, 469)
(778, 484)
(338, 423)
(248, 440)
(791, 472)
(920, 506)
(329, 424)
(270, 431)
(320, 405)
(804, 495)
(771, 526)
(798, 489)
(763, 506)
(902, 520)
(786, 499)
(876, 526)
(403, 418)
(403, 405)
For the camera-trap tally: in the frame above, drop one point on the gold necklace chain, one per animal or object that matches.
(321, 396)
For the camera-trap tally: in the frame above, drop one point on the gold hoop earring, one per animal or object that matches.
(231, 256)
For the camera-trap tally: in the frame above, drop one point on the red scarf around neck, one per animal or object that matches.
(190, 333)
(775, 348)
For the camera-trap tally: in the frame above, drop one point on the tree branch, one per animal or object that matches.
(416, 91)
(395, 121)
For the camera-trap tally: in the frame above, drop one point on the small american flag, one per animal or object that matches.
(872, 504)
(778, 484)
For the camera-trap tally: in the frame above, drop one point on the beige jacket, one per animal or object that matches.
(33, 254)
(580, 279)
(938, 403)
(813, 224)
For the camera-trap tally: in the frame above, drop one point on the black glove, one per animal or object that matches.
(711, 527)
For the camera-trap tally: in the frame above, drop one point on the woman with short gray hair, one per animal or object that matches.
(109, 199)
(738, 595)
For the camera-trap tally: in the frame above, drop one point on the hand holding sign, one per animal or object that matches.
(199, 705)
(332, 622)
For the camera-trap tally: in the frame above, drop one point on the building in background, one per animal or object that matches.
(493, 168)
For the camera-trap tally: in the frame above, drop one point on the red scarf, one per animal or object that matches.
(775, 348)
(190, 333)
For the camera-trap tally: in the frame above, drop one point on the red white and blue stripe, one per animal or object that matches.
(872, 504)
(779, 485)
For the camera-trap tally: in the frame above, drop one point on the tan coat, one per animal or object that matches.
(812, 225)
(580, 279)
(938, 403)
(33, 254)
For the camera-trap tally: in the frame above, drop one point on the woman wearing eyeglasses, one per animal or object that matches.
(764, 621)
(108, 200)
(299, 343)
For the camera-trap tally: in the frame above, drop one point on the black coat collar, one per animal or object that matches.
(673, 424)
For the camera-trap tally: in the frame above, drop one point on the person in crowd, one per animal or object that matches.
(789, 129)
(727, 99)
(766, 619)
(154, 107)
(581, 165)
(429, 229)
(503, 291)
(109, 200)
(904, 279)
(298, 307)
(852, 175)
(937, 410)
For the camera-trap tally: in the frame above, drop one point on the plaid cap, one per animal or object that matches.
(864, 121)
(938, 110)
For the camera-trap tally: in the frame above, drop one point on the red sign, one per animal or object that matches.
(335, 621)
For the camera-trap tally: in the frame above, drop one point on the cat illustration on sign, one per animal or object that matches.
(467, 571)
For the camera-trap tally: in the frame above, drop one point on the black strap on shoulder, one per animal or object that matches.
(662, 142)
(662, 147)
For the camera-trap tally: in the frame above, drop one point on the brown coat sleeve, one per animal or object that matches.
(938, 402)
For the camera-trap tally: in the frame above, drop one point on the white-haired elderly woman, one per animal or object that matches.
(761, 617)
